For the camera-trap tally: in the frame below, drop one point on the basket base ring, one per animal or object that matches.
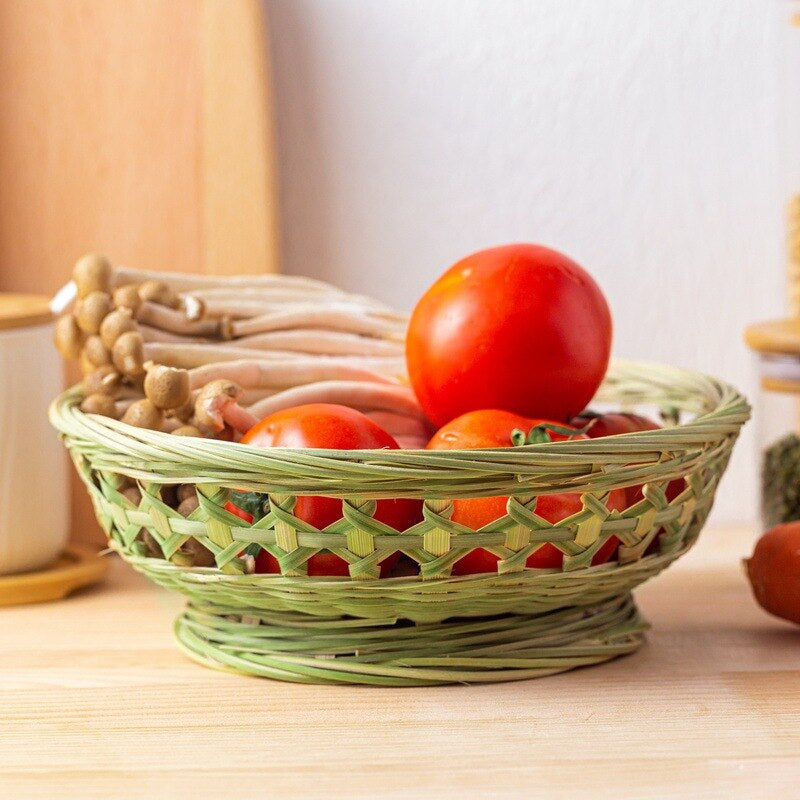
(343, 650)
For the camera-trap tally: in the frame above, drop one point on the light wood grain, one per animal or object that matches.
(97, 702)
(138, 128)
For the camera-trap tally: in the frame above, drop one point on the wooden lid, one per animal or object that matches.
(24, 310)
(775, 336)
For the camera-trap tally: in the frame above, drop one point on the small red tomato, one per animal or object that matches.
(774, 571)
(491, 428)
(520, 327)
(334, 427)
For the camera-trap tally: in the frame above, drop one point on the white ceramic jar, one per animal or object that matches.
(34, 494)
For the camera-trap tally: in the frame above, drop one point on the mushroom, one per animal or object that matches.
(133, 494)
(102, 404)
(158, 292)
(104, 380)
(292, 370)
(186, 490)
(188, 430)
(87, 367)
(143, 414)
(92, 273)
(92, 310)
(127, 296)
(128, 354)
(193, 307)
(188, 506)
(217, 405)
(115, 324)
(167, 387)
(186, 411)
(349, 318)
(181, 282)
(68, 337)
(175, 321)
(201, 556)
(361, 395)
(95, 351)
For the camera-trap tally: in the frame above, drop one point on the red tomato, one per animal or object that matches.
(327, 426)
(774, 571)
(491, 428)
(520, 327)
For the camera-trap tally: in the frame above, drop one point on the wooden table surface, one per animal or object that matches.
(97, 702)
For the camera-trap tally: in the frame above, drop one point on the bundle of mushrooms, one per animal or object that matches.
(209, 356)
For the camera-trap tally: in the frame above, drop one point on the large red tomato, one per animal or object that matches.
(492, 428)
(327, 426)
(521, 328)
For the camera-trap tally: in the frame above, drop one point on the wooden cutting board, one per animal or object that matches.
(139, 129)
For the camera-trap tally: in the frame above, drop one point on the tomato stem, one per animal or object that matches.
(539, 434)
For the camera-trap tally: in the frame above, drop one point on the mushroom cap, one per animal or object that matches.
(167, 387)
(119, 321)
(102, 404)
(158, 292)
(186, 411)
(127, 296)
(188, 430)
(143, 414)
(133, 494)
(95, 351)
(128, 354)
(104, 380)
(68, 337)
(92, 273)
(212, 399)
(92, 310)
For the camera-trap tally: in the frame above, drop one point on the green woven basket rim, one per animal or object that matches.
(627, 459)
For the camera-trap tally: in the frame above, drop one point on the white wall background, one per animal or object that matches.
(638, 136)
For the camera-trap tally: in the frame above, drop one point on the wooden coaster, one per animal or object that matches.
(76, 567)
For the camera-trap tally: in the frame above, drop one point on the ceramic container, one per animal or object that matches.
(34, 501)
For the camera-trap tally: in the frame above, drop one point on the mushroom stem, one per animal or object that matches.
(217, 405)
(181, 282)
(401, 425)
(194, 355)
(169, 319)
(64, 298)
(361, 395)
(151, 334)
(260, 373)
(191, 356)
(411, 442)
(351, 319)
(321, 342)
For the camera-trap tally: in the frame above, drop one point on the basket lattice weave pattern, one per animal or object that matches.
(105, 451)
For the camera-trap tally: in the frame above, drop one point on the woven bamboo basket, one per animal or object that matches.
(430, 628)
